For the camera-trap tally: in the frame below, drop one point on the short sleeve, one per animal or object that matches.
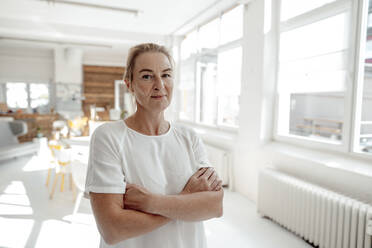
(200, 153)
(105, 173)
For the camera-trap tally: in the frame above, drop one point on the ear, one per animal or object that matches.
(129, 85)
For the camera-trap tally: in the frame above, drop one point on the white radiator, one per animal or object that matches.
(323, 218)
(220, 159)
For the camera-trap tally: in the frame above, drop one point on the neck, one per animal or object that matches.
(149, 123)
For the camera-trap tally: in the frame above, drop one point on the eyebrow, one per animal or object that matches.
(148, 70)
(145, 70)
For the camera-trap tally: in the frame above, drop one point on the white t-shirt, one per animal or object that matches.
(162, 164)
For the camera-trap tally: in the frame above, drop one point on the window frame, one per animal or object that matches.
(318, 14)
(361, 22)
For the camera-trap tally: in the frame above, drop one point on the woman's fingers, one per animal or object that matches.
(218, 186)
(213, 177)
(200, 172)
(214, 184)
(213, 180)
(208, 172)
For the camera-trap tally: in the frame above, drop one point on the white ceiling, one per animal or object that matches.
(42, 23)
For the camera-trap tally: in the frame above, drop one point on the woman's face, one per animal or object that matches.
(152, 82)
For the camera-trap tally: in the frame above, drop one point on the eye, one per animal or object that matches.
(147, 76)
(166, 75)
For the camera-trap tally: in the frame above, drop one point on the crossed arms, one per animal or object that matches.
(139, 211)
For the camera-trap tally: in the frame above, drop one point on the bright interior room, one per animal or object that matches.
(279, 91)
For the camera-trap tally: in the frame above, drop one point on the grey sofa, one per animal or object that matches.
(9, 145)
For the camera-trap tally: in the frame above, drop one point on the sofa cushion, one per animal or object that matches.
(18, 128)
(7, 136)
(12, 151)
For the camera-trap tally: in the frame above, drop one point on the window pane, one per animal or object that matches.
(366, 119)
(187, 90)
(232, 25)
(292, 8)
(39, 95)
(208, 35)
(229, 82)
(207, 73)
(365, 139)
(16, 95)
(203, 98)
(301, 43)
(313, 74)
(189, 45)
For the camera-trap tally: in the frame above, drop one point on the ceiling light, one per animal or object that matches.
(56, 42)
(135, 12)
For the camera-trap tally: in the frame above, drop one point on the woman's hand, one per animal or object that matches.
(205, 179)
(137, 198)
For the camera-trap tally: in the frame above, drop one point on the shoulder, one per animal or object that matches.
(109, 130)
(185, 131)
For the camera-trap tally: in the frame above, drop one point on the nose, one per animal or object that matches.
(159, 83)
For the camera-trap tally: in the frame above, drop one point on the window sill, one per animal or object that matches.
(311, 143)
(353, 163)
(221, 129)
(220, 137)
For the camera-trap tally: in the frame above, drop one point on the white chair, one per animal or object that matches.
(59, 127)
(63, 158)
(79, 171)
(52, 145)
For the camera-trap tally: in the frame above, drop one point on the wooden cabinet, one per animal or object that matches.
(43, 122)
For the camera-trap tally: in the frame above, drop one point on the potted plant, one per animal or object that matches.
(39, 134)
(123, 114)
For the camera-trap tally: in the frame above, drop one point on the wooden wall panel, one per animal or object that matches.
(99, 88)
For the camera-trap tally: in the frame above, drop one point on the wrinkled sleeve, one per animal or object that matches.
(105, 173)
(200, 153)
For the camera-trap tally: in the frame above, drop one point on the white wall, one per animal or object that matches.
(46, 64)
(105, 57)
(30, 65)
(2, 93)
(68, 64)
(257, 91)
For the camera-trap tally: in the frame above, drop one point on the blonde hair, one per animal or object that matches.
(137, 50)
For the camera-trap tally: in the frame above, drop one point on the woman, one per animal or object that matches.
(148, 180)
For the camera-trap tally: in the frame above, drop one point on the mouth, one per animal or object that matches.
(157, 97)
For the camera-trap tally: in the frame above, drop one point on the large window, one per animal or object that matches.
(363, 126)
(187, 89)
(325, 74)
(16, 95)
(211, 60)
(207, 85)
(293, 8)
(229, 81)
(27, 95)
(313, 69)
(39, 95)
